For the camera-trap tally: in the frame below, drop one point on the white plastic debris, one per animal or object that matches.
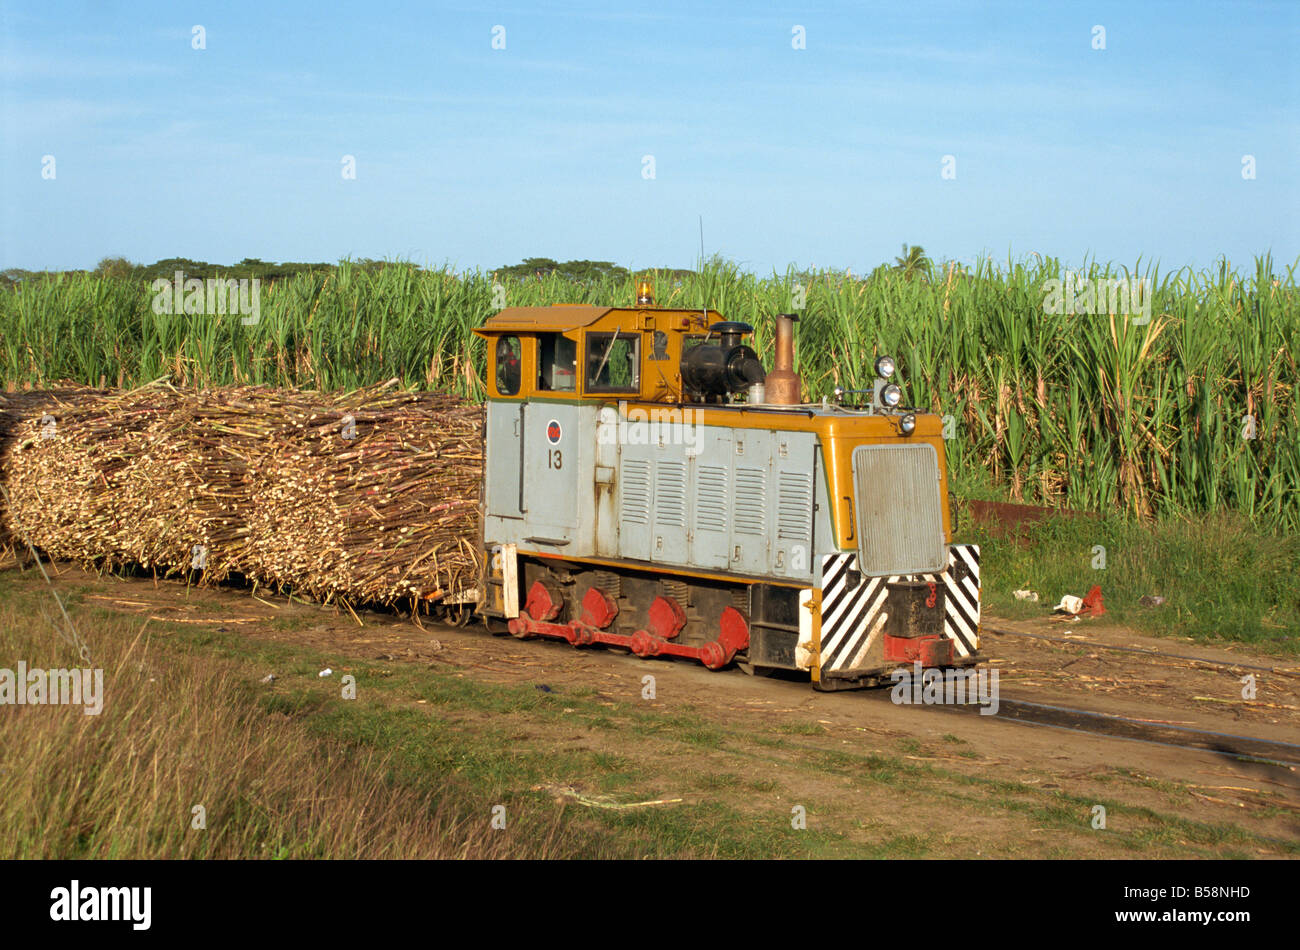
(325, 672)
(1070, 604)
(1030, 595)
(268, 678)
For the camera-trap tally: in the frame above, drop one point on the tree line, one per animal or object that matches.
(912, 264)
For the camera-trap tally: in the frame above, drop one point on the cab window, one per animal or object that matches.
(557, 368)
(613, 362)
(509, 365)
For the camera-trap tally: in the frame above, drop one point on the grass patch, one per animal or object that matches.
(1222, 579)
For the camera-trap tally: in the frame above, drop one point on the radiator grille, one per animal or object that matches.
(900, 518)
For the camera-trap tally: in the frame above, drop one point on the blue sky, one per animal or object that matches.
(829, 156)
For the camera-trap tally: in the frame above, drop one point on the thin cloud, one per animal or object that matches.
(22, 66)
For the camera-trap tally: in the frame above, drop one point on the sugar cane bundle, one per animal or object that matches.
(69, 472)
(369, 496)
(373, 498)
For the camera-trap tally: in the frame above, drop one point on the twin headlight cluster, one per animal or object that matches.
(890, 394)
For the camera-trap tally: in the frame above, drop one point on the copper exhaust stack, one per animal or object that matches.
(783, 383)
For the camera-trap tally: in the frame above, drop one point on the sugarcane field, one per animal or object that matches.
(982, 550)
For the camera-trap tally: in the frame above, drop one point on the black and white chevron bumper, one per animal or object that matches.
(852, 606)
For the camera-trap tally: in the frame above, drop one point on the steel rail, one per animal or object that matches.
(1106, 646)
(1114, 726)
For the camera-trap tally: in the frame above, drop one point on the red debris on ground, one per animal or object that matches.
(1092, 603)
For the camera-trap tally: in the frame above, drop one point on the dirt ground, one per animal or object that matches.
(1150, 780)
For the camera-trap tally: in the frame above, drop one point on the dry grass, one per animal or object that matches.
(180, 731)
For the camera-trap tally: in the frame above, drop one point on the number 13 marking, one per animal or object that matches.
(554, 459)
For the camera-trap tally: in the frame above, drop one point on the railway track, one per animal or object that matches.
(1065, 641)
(1121, 727)
(1109, 725)
(1140, 730)
(1106, 725)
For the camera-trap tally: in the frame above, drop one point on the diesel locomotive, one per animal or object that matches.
(651, 486)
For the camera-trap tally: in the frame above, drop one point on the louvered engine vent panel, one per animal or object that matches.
(636, 491)
(711, 498)
(794, 506)
(751, 500)
(670, 494)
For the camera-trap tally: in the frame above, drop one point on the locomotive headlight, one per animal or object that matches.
(907, 424)
(891, 395)
(884, 366)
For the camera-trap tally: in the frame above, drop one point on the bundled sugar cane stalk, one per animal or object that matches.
(366, 497)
